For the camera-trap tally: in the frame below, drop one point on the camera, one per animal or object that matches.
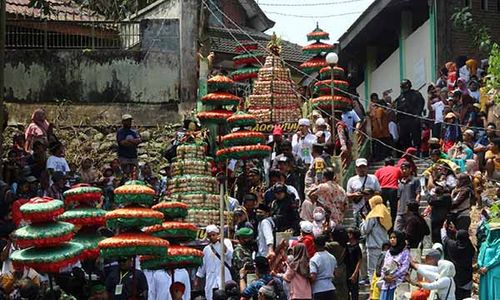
(249, 267)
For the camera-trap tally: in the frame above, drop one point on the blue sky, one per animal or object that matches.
(294, 29)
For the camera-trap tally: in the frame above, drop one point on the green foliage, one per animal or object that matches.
(493, 77)
(463, 19)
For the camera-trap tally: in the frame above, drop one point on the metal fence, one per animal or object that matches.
(47, 34)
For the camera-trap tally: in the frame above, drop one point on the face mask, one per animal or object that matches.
(318, 217)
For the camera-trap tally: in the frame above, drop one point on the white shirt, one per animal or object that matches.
(159, 283)
(475, 94)
(355, 184)
(438, 108)
(303, 147)
(265, 236)
(393, 130)
(210, 270)
(351, 118)
(57, 164)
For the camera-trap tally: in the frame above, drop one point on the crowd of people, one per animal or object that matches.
(293, 236)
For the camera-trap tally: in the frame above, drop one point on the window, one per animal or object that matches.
(467, 3)
(484, 4)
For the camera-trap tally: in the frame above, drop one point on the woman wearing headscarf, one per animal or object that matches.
(38, 129)
(396, 265)
(461, 201)
(416, 227)
(338, 248)
(440, 202)
(488, 262)
(442, 286)
(297, 274)
(408, 156)
(375, 227)
(461, 253)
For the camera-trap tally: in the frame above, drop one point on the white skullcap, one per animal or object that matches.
(304, 122)
(212, 229)
(306, 227)
(320, 122)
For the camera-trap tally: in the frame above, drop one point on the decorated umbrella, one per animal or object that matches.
(83, 194)
(44, 235)
(84, 216)
(177, 232)
(42, 210)
(178, 257)
(49, 250)
(243, 137)
(318, 48)
(82, 203)
(90, 242)
(241, 119)
(246, 61)
(325, 102)
(47, 260)
(215, 116)
(132, 244)
(128, 220)
(133, 217)
(172, 210)
(134, 192)
(243, 144)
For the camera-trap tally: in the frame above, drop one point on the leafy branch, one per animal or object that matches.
(463, 19)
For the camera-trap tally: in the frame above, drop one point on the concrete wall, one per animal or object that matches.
(417, 68)
(91, 77)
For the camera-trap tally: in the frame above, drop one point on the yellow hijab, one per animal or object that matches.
(472, 64)
(379, 210)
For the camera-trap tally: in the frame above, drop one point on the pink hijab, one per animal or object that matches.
(37, 130)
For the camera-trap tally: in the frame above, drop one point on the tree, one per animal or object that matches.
(463, 19)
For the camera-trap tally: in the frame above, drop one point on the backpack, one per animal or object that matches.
(277, 285)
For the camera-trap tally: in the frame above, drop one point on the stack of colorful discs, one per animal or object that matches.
(46, 241)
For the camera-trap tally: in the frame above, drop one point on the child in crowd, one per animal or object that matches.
(374, 288)
(353, 262)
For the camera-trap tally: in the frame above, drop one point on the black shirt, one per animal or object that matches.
(354, 255)
(117, 277)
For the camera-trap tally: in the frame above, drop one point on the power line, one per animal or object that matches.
(312, 17)
(314, 78)
(308, 4)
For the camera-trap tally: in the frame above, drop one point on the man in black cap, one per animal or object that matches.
(410, 105)
(284, 209)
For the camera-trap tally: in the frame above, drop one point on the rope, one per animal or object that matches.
(314, 78)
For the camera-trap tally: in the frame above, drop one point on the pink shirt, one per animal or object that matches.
(300, 287)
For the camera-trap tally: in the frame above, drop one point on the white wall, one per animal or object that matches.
(417, 66)
(418, 58)
(386, 76)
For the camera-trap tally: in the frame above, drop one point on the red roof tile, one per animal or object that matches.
(61, 10)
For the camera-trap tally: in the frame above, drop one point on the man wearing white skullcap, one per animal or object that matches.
(212, 261)
(302, 141)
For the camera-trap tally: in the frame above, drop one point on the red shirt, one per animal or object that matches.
(308, 241)
(388, 177)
